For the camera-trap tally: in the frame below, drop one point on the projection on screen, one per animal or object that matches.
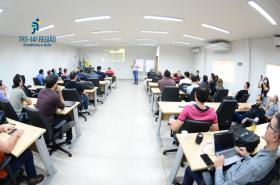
(112, 55)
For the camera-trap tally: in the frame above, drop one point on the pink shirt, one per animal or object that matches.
(193, 113)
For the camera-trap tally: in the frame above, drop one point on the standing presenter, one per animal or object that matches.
(135, 68)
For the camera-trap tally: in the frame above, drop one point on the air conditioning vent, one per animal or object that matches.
(277, 40)
(218, 46)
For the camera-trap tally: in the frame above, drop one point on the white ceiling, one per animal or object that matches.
(127, 17)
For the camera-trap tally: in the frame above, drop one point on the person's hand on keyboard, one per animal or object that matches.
(219, 163)
(242, 151)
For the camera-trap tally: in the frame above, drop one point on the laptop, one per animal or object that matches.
(69, 103)
(224, 145)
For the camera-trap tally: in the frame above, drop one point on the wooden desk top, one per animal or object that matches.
(64, 111)
(177, 107)
(91, 90)
(108, 78)
(30, 135)
(193, 151)
(153, 84)
(35, 87)
(149, 80)
(156, 90)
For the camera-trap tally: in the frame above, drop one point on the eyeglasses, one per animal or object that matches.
(274, 130)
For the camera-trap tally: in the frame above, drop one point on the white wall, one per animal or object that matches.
(122, 69)
(175, 58)
(14, 58)
(254, 54)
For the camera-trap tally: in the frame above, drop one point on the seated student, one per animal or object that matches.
(50, 99)
(110, 72)
(25, 159)
(204, 82)
(92, 74)
(81, 75)
(100, 73)
(250, 170)
(54, 72)
(256, 111)
(60, 72)
(49, 72)
(157, 77)
(186, 80)
(197, 111)
(273, 108)
(41, 77)
(166, 80)
(17, 96)
(193, 85)
(27, 92)
(176, 77)
(74, 84)
(242, 92)
(3, 91)
(65, 74)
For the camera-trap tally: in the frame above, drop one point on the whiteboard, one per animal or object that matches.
(140, 63)
(150, 64)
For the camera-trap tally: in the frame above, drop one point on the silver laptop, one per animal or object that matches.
(224, 145)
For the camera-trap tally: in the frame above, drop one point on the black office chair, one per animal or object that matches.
(267, 179)
(191, 97)
(36, 81)
(156, 78)
(73, 95)
(220, 95)
(244, 98)
(95, 82)
(225, 113)
(37, 119)
(6, 106)
(192, 126)
(151, 75)
(170, 93)
(66, 81)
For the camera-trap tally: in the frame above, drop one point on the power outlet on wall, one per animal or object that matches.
(239, 64)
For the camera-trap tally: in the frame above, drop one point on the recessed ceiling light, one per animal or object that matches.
(1, 10)
(63, 36)
(77, 41)
(105, 31)
(156, 32)
(194, 37)
(92, 18)
(46, 28)
(177, 42)
(146, 39)
(215, 28)
(87, 45)
(174, 19)
(112, 39)
(262, 11)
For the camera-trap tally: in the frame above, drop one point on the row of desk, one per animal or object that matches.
(35, 135)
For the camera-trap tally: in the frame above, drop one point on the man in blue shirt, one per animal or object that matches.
(41, 77)
(100, 73)
(273, 108)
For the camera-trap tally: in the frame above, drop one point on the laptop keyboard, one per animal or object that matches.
(228, 154)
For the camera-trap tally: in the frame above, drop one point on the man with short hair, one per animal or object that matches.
(49, 100)
(100, 73)
(74, 84)
(41, 77)
(273, 108)
(110, 72)
(193, 85)
(198, 111)
(251, 169)
(166, 80)
(186, 80)
(92, 74)
(242, 92)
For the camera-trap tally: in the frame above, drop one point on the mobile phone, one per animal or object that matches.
(12, 131)
(1, 83)
(207, 161)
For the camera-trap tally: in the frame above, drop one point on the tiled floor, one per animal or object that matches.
(118, 145)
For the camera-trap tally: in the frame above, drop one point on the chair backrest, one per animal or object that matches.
(71, 95)
(66, 81)
(38, 119)
(109, 75)
(225, 113)
(192, 95)
(94, 81)
(194, 126)
(244, 98)
(36, 81)
(156, 78)
(220, 95)
(170, 93)
(6, 106)
(151, 75)
(267, 179)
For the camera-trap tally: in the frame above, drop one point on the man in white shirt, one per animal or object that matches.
(194, 84)
(186, 80)
(135, 68)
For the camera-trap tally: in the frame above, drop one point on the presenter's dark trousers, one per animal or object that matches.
(135, 75)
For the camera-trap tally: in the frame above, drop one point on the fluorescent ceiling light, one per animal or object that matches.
(77, 41)
(1, 10)
(112, 39)
(185, 43)
(92, 18)
(91, 45)
(63, 36)
(262, 11)
(174, 19)
(146, 39)
(194, 37)
(157, 32)
(105, 31)
(215, 28)
(46, 28)
(146, 44)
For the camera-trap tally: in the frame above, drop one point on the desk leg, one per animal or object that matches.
(45, 157)
(76, 120)
(158, 128)
(176, 165)
(153, 102)
(207, 178)
(95, 99)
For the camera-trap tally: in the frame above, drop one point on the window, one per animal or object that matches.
(272, 73)
(225, 70)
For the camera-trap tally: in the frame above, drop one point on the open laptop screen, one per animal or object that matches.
(223, 141)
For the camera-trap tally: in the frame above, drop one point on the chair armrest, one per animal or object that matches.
(60, 124)
(4, 163)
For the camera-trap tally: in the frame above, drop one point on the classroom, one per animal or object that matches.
(139, 92)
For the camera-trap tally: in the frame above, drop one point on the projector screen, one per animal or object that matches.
(117, 55)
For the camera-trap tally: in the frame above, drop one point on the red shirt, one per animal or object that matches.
(193, 112)
(110, 72)
(3, 173)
